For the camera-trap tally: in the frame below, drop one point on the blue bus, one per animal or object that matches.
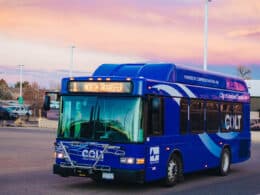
(147, 122)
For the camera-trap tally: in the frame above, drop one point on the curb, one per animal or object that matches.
(38, 123)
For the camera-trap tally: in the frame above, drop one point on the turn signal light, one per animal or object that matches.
(140, 161)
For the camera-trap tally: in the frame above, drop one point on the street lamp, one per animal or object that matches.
(206, 35)
(21, 79)
(20, 99)
(71, 61)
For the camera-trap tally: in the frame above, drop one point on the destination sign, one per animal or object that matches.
(100, 87)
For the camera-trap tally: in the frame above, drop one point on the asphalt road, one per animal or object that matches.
(26, 157)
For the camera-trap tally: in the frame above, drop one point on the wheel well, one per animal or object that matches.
(178, 153)
(229, 149)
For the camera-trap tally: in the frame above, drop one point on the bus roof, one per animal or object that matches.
(168, 72)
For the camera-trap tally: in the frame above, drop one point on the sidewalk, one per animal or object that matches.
(32, 122)
(46, 123)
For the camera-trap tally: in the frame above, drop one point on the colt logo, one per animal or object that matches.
(92, 154)
(233, 121)
(154, 155)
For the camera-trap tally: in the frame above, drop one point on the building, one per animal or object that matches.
(254, 90)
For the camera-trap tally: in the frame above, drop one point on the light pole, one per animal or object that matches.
(21, 79)
(20, 99)
(205, 63)
(71, 61)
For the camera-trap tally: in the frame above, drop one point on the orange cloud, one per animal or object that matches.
(173, 33)
(245, 32)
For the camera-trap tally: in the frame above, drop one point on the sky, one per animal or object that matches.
(39, 34)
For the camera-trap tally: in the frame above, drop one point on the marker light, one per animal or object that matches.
(90, 79)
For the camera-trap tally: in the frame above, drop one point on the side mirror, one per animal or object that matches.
(47, 102)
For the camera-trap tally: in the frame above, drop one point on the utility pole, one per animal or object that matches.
(205, 63)
(20, 99)
(71, 61)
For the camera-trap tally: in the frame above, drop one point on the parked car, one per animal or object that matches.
(6, 114)
(20, 110)
(255, 124)
(54, 104)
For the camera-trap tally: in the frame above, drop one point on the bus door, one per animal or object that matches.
(154, 139)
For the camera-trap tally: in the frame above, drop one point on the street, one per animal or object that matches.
(26, 158)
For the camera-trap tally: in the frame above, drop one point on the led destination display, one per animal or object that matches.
(100, 87)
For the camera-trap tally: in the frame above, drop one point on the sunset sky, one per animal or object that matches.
(39, 34)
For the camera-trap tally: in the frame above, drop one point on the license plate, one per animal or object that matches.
(106, 175)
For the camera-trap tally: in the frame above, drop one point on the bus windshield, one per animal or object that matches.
(96, 118)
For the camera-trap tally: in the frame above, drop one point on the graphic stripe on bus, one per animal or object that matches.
(205, 139)
(171, 91)
(210, 144)
(228, 136)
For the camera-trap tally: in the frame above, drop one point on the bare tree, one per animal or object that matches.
(5, 93)
(25, 84)
(244, 72)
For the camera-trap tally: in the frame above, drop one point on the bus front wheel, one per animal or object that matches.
(225, 160)
(174, 171)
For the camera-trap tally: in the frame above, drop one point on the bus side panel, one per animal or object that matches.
(243, 144)
(193, 153)
(159, 148)
(156, 158)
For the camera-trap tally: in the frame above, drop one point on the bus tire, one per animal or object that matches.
(224, 166)
(174, 172)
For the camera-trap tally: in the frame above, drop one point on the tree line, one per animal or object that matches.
(33, 95)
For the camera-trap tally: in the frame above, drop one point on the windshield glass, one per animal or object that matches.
(97, 118)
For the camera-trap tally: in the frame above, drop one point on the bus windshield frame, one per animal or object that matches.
(101, 118)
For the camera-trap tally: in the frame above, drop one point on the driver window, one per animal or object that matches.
(155, 115)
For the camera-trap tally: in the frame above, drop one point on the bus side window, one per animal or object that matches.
(155, 115)
(212, 116)
(237, 117)
(197, 116)
(184, 116)
(226, 113)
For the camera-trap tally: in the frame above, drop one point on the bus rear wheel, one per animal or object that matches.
(225, 160)
(174, 171)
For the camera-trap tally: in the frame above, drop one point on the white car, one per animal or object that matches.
(55, 104)
(20, 110)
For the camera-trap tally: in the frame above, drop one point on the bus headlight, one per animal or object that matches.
(131, 160)
(127, 160)
(59, 155)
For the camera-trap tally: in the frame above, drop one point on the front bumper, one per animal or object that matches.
(136, 176)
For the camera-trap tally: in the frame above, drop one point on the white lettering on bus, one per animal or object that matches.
(233, 121)
(92, 154)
